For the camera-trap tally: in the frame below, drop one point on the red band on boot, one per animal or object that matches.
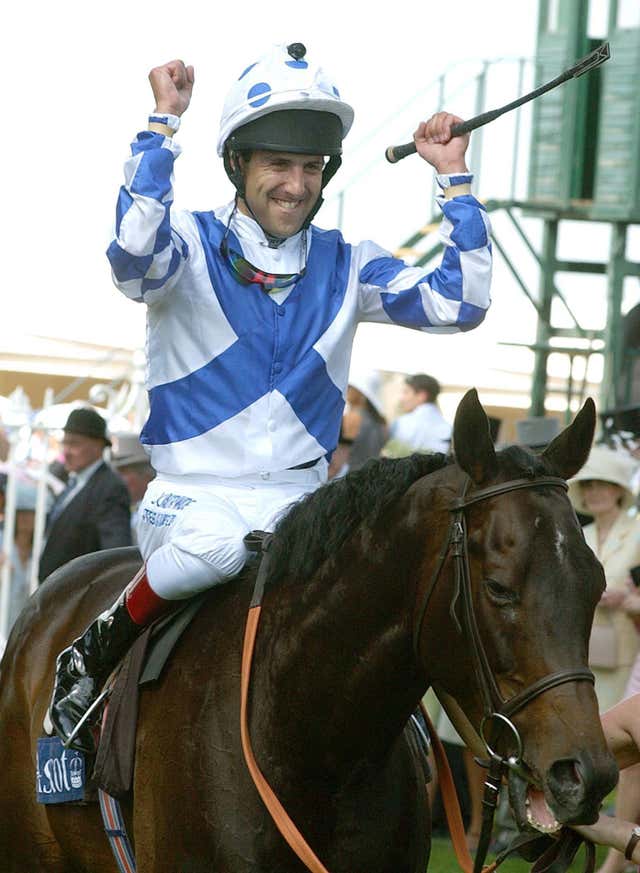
(142, 602)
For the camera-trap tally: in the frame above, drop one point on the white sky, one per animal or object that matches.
(76, 93)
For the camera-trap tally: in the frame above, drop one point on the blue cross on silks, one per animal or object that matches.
(273, 351)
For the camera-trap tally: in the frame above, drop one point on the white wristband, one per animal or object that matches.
(172, 121)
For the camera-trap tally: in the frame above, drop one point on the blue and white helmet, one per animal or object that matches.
(284, 79)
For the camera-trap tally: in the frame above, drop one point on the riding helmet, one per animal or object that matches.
(283, 102)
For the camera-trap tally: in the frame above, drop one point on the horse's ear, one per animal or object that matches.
(567, 453)
(473, 446)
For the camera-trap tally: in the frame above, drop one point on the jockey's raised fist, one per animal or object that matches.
(172, 85)
(435, 144)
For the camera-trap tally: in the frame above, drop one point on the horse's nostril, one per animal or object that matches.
(566, 773)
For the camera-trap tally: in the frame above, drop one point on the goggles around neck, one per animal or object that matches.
(247, 274)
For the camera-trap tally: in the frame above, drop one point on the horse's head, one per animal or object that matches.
(520, 618)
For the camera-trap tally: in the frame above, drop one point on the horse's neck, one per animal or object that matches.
(335, 669)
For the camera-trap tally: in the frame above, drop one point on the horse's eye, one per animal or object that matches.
(499, 594)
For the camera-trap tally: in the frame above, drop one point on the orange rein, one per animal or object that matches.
(278, 813)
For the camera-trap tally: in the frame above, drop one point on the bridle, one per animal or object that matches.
(497, 710)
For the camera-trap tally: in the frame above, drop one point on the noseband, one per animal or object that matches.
(497, 710)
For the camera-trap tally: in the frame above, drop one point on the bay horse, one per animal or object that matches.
(362, 613)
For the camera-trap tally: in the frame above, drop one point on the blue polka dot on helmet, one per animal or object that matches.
(284, 79)
(258, 94)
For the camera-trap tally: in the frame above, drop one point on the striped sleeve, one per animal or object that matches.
(148, 252)
(453, 297)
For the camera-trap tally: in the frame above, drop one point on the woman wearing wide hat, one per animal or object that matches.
(602, 490)
(364, 421)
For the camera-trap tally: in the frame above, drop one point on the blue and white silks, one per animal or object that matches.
(241, 382)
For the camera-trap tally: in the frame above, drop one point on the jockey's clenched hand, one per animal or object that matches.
(435, 144)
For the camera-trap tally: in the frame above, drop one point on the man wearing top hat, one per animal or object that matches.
(92, 513)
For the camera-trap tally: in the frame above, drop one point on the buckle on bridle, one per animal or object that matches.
(457, 537)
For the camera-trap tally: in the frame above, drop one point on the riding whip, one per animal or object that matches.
(597, 57)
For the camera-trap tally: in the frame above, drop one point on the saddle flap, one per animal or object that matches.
(115, 757)
(165, 634)
(113, 767)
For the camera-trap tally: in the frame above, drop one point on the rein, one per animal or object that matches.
(278, 813)
(496, 707)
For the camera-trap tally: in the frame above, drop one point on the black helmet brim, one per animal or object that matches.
(299, 131)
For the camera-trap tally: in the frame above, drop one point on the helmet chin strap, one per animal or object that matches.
(273, 240)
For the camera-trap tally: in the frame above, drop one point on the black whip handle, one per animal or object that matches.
(597, 57)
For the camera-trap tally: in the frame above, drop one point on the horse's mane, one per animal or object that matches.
(321, 522)
(318, 525)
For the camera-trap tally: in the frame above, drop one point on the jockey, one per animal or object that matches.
(251, 315)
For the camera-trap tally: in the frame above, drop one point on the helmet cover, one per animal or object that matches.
(283, 79)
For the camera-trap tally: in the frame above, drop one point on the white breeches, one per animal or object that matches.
(191, 529)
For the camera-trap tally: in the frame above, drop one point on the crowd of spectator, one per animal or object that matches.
(604, 495)
(19, 552)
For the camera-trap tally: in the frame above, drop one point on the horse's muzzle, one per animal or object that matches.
(573, 790)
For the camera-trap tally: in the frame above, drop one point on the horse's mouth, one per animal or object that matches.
(530, 806)
(539, 815)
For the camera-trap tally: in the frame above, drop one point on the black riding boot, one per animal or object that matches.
(83, 668)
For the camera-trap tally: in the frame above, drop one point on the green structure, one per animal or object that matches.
(584, 165)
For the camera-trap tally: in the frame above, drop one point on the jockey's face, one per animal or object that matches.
(281, 188)
(81, 451)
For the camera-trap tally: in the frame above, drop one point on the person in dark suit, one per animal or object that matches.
(92, 513)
